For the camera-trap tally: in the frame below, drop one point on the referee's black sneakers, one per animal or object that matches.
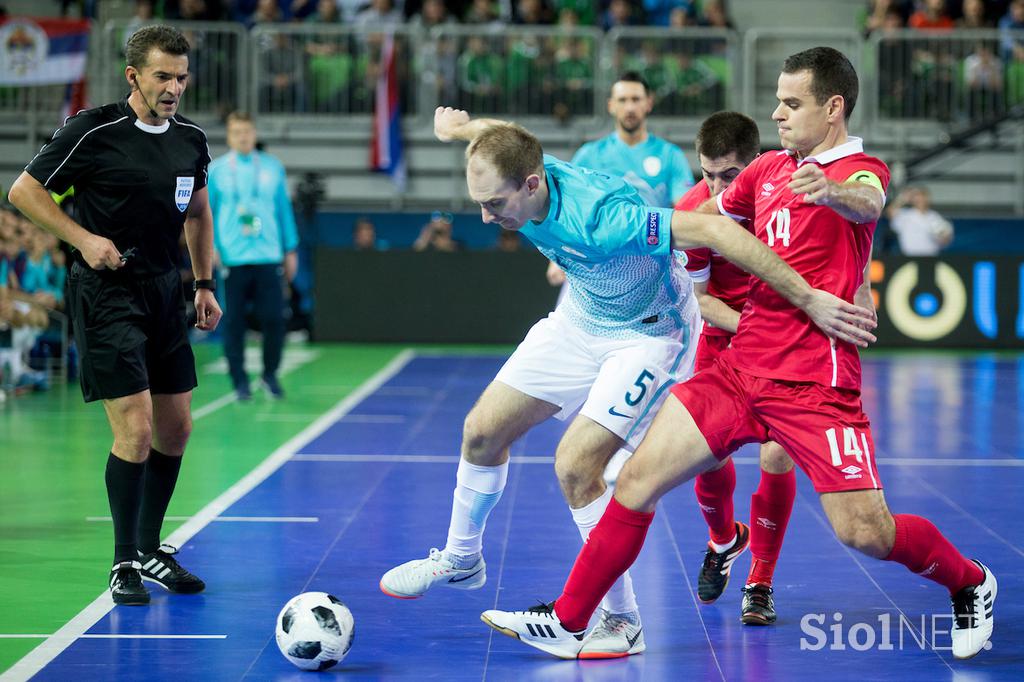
(161, 567)
(126, 584)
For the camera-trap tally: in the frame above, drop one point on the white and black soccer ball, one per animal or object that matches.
(315, 630)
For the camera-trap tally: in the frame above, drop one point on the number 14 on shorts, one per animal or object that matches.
(851, 446)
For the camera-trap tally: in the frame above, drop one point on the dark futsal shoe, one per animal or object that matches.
(714, 573)
(126, 584)
(161, 567)
(273, 387)
(758, 606)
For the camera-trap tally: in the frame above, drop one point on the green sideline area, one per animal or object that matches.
(53, 448)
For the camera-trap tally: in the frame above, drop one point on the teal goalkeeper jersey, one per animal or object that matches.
(656, 167)
(616, 253)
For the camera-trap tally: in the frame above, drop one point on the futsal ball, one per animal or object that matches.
(315, 630)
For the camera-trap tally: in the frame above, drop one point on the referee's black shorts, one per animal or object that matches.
(131, 333)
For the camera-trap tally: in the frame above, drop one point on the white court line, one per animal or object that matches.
(121, 636)
(533, 459)
(689, 586)
(376, 418)
(232, 519)
(38, 658)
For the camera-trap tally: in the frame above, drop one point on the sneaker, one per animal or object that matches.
(714, 573)
(539, 627)
(161, 567)
(758, 606)
(972, 616)
(126, 584)
(273, 387)
(243, 393)
(412, 579)
(615, 636)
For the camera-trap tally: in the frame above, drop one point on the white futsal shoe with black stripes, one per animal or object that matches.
(412, 579)
(972, 616)
(162, 568)
(539, 627)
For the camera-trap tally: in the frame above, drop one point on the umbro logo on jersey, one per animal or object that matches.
(612, 411)
(653, 231)
(767, 189)
(183, 192)
(852, 472)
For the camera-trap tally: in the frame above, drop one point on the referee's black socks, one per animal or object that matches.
(124, 492)
(160, 479)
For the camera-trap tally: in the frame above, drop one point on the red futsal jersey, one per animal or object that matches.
(775, 339)
(727, 282)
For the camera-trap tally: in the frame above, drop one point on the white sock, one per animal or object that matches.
(620, 598)
(721, 548)
(477, 490)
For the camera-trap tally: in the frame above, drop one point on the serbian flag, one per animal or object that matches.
(386, 141)
(42, 51)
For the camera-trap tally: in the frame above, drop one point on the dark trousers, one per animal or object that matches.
(259, 285)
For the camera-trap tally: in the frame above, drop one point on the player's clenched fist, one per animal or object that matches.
(810, 181)
(101, 254)
(447, 120)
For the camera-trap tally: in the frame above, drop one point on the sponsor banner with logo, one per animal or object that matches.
(42, 51)
(950, 302)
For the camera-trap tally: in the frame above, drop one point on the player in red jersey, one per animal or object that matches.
(815, 204)
(726, 144)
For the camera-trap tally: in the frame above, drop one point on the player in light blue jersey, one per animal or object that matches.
(656, 167)
(626, 333)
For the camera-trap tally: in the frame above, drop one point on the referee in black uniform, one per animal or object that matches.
(139, 173)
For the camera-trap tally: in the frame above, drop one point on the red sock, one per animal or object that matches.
(924, 550)
(770, 508)
(714, 493)
(612, 547)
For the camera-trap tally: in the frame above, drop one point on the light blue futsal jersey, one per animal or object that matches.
(616, 253)
(656, 167)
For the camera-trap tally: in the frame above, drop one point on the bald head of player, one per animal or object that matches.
(817, 92)
(726, 144)
(157, 71)
(505, 175)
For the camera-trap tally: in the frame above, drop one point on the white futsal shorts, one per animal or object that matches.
(620, 383)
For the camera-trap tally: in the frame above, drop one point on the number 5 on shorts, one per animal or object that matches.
(643, 382)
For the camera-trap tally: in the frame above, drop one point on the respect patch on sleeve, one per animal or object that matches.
(653, 228)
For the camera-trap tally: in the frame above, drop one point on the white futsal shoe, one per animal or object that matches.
(539, 627)
(412, 579)
(972, 616)
(615, 635)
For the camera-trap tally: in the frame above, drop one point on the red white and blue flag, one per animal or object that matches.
(386, 154)
(42, 51)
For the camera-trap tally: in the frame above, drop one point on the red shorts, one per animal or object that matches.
(709, 347)
(823, 429)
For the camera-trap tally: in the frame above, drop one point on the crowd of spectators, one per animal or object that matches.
(32, 275)
(945, 73)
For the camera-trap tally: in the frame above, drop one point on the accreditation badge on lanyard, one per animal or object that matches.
(250, 223)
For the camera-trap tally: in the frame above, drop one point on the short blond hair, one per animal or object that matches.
(514, 151)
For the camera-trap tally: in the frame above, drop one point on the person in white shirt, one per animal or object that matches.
(920, 229)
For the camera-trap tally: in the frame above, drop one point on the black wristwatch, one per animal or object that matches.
(209, 284)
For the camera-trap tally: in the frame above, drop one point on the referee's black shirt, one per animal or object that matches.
(132, 181)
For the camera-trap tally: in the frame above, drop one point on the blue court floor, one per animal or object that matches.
(372, 485)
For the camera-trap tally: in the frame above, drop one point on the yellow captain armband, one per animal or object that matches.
(868, 178)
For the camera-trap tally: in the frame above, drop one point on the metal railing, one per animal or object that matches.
(955, 78)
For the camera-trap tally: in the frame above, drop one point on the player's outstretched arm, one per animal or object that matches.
(714, 310)
(858, 201)
(30, 197)
(834, 316)
(455, 124)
